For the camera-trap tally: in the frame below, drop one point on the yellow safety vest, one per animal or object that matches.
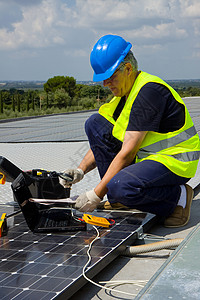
(179, 150)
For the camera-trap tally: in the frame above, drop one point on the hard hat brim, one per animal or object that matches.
(110, 71)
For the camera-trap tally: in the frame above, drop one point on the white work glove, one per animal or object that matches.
(87, 201)
(76, 174)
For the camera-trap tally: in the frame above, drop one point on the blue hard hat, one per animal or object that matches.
(107, 54)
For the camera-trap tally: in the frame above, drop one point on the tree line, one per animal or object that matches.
(189, 91)
(60, 94)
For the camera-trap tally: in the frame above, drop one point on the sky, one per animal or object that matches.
(40, 39)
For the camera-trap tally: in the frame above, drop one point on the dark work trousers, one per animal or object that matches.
(148, 185)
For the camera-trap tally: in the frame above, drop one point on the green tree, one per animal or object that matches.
(47, 100)
(61, 98)
(1, 103)
(61, 82)
(27, 103)
(13, 91)
(189, 91)
(92, 91)
(33, 101)
(18, 102)
(6, 97)
(87, 103)
(13, 102)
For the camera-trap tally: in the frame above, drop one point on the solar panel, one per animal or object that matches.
(49, 266)
(54, 128)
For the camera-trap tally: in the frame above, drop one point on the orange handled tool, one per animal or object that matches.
(2, 178)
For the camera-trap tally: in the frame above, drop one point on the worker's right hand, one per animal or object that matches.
(76, 174)
(87, 202)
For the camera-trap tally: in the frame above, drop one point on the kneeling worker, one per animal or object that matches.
(143, 141)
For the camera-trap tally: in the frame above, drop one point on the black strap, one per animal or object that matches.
(119, 108)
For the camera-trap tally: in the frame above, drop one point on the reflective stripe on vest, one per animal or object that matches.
(170, 142)
(178, 150)
(187, 156)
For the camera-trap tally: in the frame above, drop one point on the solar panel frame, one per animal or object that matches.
(49, 266)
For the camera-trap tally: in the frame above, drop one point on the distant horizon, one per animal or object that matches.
(38, 80)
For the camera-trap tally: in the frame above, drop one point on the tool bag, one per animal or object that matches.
(43, 184)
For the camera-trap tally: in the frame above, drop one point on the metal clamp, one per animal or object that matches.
(140, 233)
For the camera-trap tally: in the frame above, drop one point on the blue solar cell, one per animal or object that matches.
(45, 265)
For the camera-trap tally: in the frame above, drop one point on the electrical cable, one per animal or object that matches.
(130, 251)
(88, 262)
(140, 283)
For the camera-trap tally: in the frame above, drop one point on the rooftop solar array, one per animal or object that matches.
(62, 127)
(54, 128)
(49, 266)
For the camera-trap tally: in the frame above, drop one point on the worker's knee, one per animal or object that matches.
(89, 123)
(93, 123)
(120, 190)
(97, 125)
(114, 193)
(123, 188)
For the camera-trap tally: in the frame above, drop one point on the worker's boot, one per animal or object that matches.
(181, 216)
(114, 206)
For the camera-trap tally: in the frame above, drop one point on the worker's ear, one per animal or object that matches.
(129, 68)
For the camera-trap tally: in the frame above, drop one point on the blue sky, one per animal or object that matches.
(40, 39)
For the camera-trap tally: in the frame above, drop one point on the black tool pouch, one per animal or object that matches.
(45, 185)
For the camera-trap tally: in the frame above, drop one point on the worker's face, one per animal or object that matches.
(118, 83)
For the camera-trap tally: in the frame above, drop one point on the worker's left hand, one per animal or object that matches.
(87, 201)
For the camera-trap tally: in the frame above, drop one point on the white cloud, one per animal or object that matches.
(190, 8)
(161, 32)
(127, 15)
(36, 29)
(68, 28)
(51, 22)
